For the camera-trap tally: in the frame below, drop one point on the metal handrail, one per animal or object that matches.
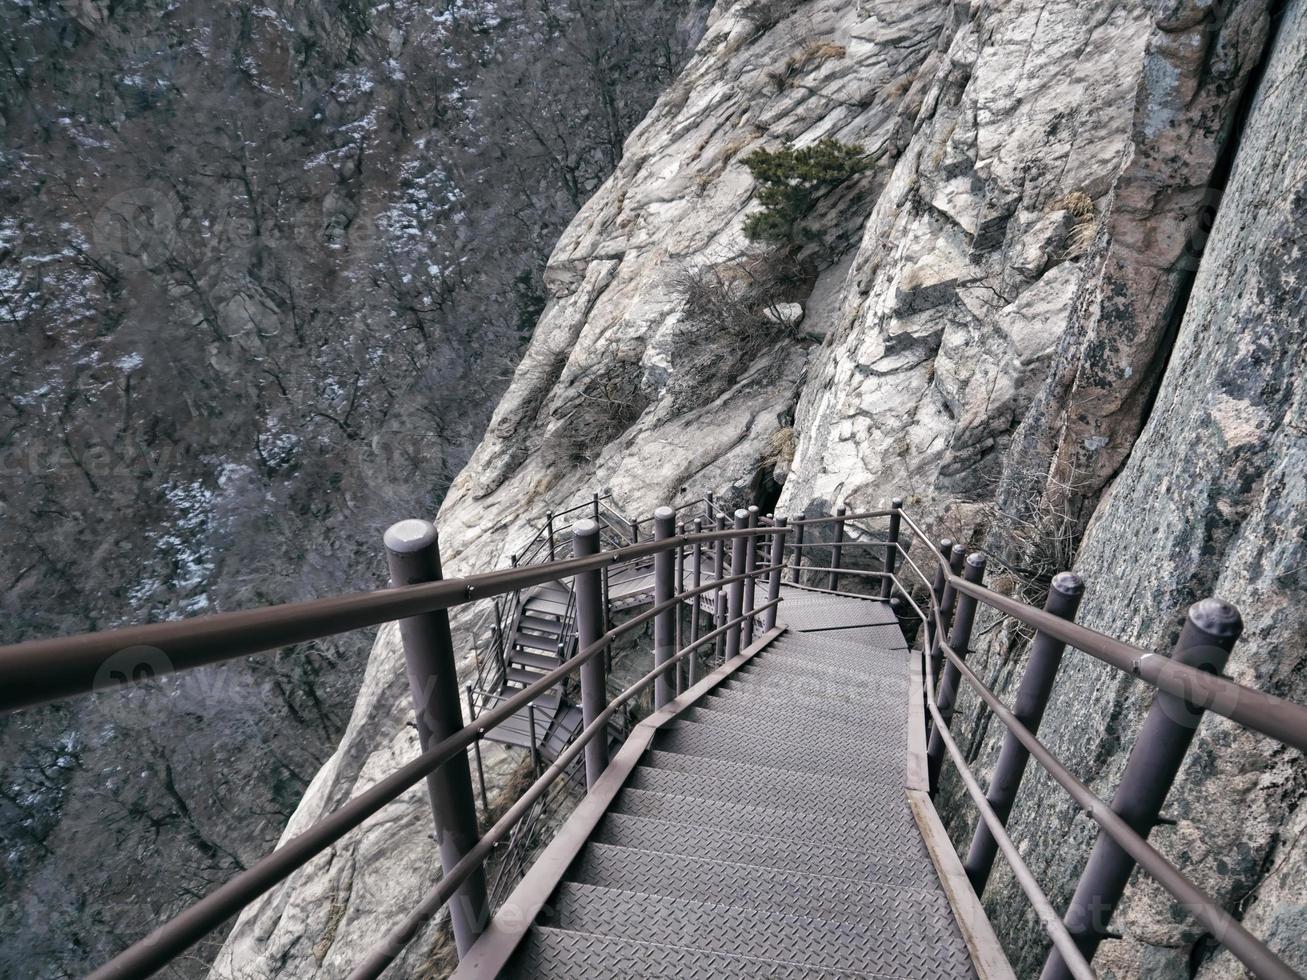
(1249, 950)
(175, 936)
(38, 671)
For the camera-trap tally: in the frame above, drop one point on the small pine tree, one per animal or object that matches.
(792, 181)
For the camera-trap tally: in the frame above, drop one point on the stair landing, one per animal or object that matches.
(770, 822)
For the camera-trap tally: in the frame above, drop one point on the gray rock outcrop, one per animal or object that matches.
(1019, 323)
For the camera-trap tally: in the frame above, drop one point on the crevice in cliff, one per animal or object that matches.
(1205, 220)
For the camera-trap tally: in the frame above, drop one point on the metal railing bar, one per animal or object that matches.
(385, 952)
(1047, 914)
(1246, 947)
(172, 938)
(1275, 717)
(38, 671)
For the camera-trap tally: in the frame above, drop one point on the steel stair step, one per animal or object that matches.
(541, 624)
(539, 661)
(902, 942)
(778, 666)
(747, 782)
(736, 847)
(794, 725)
(533, 641)
(691, 738)
(726, 699)
(562, 954)
(815, 689)
(784, 890)
(849, 830)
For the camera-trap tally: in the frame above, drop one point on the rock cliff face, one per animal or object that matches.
(1017, 321)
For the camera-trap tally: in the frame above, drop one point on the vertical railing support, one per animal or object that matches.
(951, 678)
(948, 597)
(635, 531)
(413, 555)
(709, 508)
(589, 588)
(549, 533)
(664, 528)
(679, 669)
(798, 548)
(1064, 596)
(1210, 631)
(594, 506)
(837, 551)
(776, 559)
(735, 593)
(750, 566)
(696, 578)
(891, 554)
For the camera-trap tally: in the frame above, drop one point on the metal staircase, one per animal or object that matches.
(763, 831)
(772, 813)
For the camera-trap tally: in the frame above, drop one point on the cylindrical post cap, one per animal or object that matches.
(406, 537)
(1068, 584)
(976, 559)
(584, 528)
(664, 513)
(741, 514)
(896, 503)
(1216, 618)
(946, 545)
(753, 508)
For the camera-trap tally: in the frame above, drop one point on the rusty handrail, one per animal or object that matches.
(1280, 719)
(38, 671)
(170, 939)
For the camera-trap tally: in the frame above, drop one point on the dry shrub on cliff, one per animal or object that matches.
(812, 54)
(766, 14)
(1081, 207)
(732, 315)
(604, 402)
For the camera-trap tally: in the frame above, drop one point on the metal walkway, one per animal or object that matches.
(763, 829)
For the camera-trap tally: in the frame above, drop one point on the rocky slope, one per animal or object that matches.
(1024, 280)
(264, 270)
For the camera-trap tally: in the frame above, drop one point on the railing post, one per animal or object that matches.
(413, 554)
(664, 527)
(635, 531)
(735, 594)
(750, 565)
(680, 607)
(719, 600)
(948, 596)
(709, 508)
(837, 550)
(595, 507)
(774, 576)
(951, 678)
(1032, 697)
(549, 532)
(589, 590)
(1210, 631)
(696, 578)
(798, 549)
(891, 555)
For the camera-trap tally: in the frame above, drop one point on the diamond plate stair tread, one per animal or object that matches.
(816, 689)
(691, 738)
(745, 783)
(736, 847)
(850, 831)
(559, 954)
(889, 664)
(727, 699)
(795, 725)
(828, 648)
(870, 611)
(783, 890)
(905, 942)
(895, 678)
(884, 637)
(804, 616)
